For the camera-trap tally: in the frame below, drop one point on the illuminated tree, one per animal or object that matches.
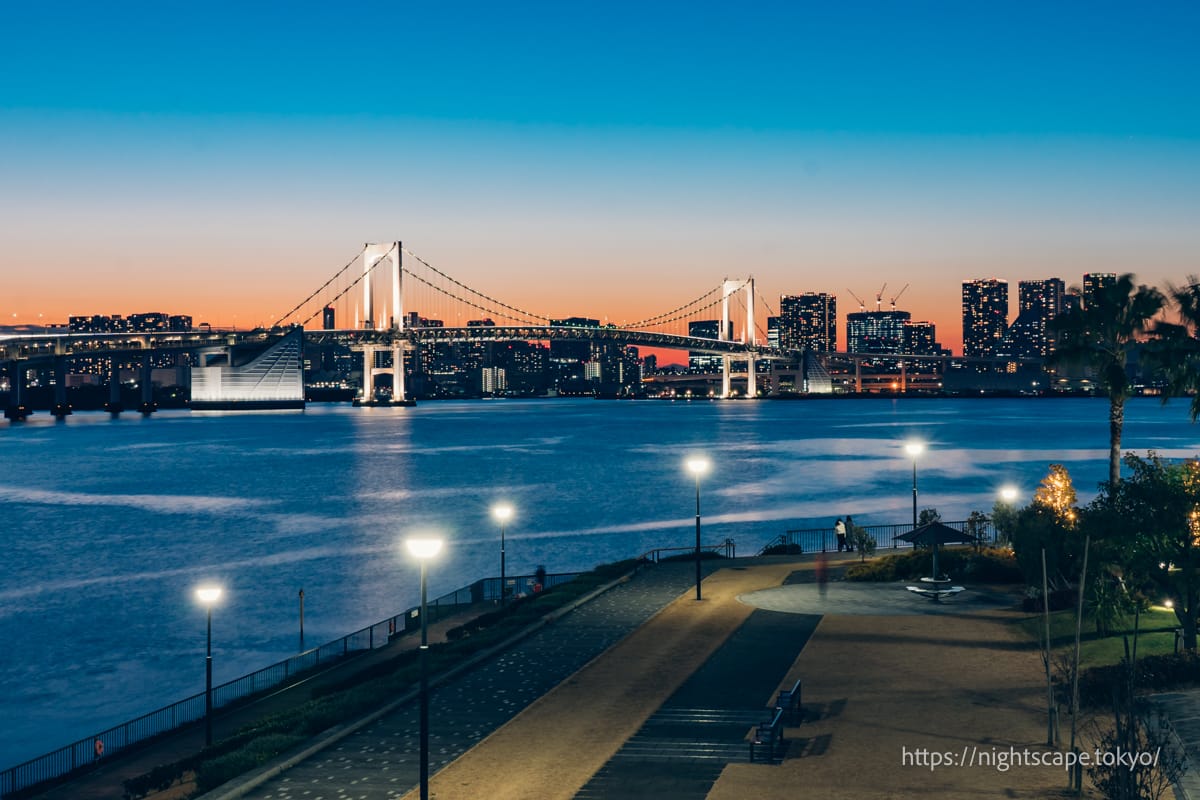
(1100, 337)
(1057, 494)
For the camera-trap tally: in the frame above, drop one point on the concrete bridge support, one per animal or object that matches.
(114, 406)
(61, 407)
(16, 409)
(148, 406)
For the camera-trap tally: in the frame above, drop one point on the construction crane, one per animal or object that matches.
(897, 297)
(879, 297)
(861, 305)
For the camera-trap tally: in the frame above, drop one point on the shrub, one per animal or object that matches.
(986, 566)
(217, 771)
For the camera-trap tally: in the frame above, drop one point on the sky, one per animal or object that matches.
(603, 159)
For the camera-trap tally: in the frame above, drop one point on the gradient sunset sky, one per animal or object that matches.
(607, 159)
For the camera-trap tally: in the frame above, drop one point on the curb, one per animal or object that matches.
(253, 780)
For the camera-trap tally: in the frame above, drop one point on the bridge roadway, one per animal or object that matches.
(44, 347)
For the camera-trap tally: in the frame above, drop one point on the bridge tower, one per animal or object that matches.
(729, 288)
(393, 323)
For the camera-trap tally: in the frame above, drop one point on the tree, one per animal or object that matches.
(1150, 523)
(1100, 337)
(1048, 523)
(976, 526)
(862, 541)
(1176, 349)
(1056, 493)
(927, 516)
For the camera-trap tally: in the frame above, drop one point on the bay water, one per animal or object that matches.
(108, 525)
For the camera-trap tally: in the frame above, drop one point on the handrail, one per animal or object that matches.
(85, 753)
(727, 549)
(824, 540)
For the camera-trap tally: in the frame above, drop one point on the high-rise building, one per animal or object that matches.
(876, 331)
(984, 316)
(1094, 282)
(808, 320)
(1038, 303)
(706, 329)
(920, 338)
(328, 318)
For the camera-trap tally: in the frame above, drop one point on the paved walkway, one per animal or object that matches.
(380, 761)
(629, 690)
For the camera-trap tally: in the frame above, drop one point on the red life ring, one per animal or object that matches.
(99, 747)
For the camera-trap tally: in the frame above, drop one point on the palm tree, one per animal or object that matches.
(1177, 350)
(1100, 336)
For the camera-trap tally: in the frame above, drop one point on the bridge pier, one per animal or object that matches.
(61, 407)
(726, 384)
(16, 410)
(148, 406)
(751, 378)
(114, 406)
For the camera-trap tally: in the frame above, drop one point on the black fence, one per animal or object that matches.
(824, 540)
(90, 750)
(726, 549)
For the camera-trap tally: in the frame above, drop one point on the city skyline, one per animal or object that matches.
(590, 160)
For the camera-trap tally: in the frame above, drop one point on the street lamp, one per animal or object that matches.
(914, 449)
(208, 596)
(502, 512)
(697, 465)
(424, 549)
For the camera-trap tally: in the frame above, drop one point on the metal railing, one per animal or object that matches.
(87, 752)
(824, 540)
(726, 549)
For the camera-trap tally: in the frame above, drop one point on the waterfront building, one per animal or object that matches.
(876, 331)
(1039, 302)
(1094, 282)
(920, 338)
(808, 320)
(706, 329)
(984, 316)
(327, 319)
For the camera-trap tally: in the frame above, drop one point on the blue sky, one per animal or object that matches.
(919, 142)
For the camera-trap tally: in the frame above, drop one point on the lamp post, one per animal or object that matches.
(208, 596)
(503, 513)
(424, 549)
(697, 465)
(914, 449)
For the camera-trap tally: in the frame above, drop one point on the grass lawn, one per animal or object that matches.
(1156, 635)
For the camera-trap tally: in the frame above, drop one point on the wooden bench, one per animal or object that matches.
(789, 701)
(768, 736)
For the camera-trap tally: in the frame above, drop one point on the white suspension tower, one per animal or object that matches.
(372, 255)
(729, 288)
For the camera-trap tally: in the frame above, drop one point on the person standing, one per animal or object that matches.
(839, 528)
(849, 534)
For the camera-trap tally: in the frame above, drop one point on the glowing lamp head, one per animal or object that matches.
(423, 548)
(697, 465)
(502, 512)
(1168, 603)
(914, 449)
(1008, 493)
(208, 595)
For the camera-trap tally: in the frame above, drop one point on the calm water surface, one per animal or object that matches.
(110, 524)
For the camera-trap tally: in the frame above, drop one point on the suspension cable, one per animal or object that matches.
(303, 302)
(660, 318)
(345, 291)
(472, 291)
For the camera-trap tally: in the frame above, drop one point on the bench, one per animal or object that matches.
(789, 701)
(768, 736)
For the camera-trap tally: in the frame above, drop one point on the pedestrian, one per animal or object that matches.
(822, 570)
(839, 528)
(849, 534)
